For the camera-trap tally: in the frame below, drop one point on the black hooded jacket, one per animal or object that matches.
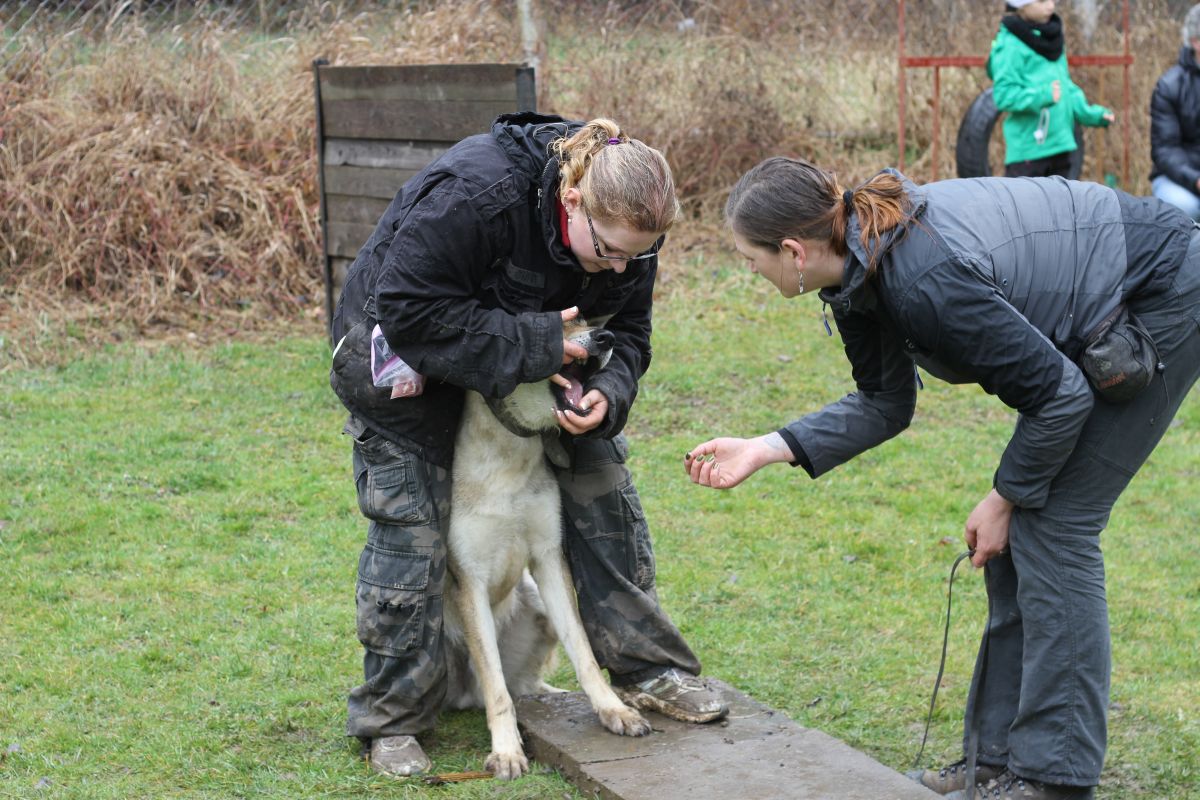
(466, 274)
(1175, 122)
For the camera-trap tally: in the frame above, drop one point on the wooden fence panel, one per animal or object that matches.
(377, 126)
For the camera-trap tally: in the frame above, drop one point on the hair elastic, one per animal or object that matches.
(614, 140)
(848, 200)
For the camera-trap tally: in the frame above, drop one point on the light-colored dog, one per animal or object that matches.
(505, 524)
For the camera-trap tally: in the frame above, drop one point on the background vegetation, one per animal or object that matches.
(177, 524)
(157, 173)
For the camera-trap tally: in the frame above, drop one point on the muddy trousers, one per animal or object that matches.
(402, 575)
(1039, 695)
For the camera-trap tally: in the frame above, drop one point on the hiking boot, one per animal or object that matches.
(400, 756)
(1007, 786)
(675, 694)
(953, 777)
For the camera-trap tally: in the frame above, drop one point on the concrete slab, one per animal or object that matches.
(757, 754)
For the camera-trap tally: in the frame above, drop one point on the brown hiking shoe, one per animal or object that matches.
(1007, 786)
(675, 694)
(400, 756)
(953, 777)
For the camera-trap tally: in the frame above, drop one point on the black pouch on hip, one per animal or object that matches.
(1119, 357)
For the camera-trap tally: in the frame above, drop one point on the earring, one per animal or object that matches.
(800, 281)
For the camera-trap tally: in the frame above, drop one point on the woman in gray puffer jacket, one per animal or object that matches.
(1003, 283)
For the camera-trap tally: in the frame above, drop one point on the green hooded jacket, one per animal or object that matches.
(1022, 86)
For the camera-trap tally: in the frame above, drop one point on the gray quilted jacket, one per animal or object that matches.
(994, 281)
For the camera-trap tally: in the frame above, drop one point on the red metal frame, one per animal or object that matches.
(937, 63)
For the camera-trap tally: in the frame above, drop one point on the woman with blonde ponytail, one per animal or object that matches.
(1079, 307)
(469, 276)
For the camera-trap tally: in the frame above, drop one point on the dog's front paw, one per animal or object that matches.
(507, 766)
(624, 721)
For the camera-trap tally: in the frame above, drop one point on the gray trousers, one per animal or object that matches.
(1039, 695)
(402, 572)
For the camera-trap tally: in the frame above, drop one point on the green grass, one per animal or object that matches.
(178, 540)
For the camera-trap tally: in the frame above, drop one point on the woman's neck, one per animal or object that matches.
(824, 267)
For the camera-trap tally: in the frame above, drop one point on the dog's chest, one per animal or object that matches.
(505, 507)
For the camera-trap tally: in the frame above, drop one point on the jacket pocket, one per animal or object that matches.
(350, 373)
(391, 599)
(519, 289)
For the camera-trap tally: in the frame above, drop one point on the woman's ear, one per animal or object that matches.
(571, 200)
(795, 250)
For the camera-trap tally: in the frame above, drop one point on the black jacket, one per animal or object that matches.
(1175, 123)
(993, 281)
(466, 274)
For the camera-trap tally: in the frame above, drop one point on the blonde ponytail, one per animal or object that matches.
(620, 179)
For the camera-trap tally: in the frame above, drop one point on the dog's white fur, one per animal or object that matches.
(505, 524)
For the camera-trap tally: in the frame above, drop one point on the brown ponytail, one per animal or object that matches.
(621, 179)
(881, 204)
(786, 198)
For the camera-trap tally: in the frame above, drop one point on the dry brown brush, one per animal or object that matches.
(162, 177)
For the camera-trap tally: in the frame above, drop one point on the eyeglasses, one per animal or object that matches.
(651, 253)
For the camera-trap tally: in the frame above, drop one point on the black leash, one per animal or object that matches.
(941, 669)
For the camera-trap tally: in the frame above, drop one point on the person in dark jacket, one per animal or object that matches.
(469, 275)
(1175, 126)
(999, 282)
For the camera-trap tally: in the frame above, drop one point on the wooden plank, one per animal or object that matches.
(757, 752)
(345, 238)
(365, 182)
(446, 121)
(348, 208)
(337, 270)
(382, 153)
(422, 82)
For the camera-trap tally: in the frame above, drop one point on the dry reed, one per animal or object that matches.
(163, 179)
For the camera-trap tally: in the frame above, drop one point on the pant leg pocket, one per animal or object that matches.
(391, 597)
(637, 531)
(391, 484)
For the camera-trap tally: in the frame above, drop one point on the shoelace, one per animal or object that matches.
(688, 684)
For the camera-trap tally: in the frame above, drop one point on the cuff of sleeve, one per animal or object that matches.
(545, 350)
(618, 406)
(1007, 493)
(802, 459)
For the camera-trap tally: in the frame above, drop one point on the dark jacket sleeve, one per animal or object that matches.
(970, 327)
(426, 306)
(618, 381)
(881, 407)
(1167, 150)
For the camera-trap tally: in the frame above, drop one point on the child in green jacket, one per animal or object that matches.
(1028, 66)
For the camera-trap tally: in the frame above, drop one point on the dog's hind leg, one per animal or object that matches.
(526, 639)
(507, 759)
(550, 571)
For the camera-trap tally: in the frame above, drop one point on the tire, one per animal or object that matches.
(975, 133)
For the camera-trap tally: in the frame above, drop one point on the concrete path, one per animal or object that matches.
(756, 754)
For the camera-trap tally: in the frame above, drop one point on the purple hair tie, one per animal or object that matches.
(614, 140)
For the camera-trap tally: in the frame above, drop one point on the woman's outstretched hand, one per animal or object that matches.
(726, 462)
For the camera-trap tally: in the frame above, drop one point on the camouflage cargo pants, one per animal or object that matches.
(402, 572)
